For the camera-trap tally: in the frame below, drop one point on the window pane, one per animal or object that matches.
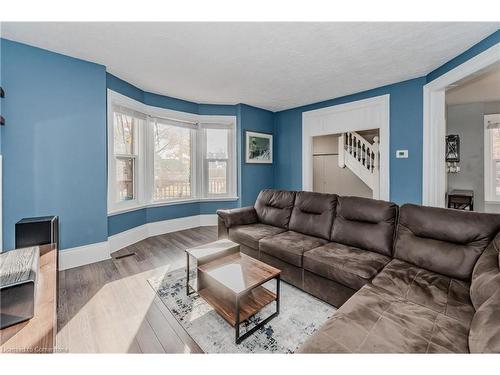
(495, 143)
(217, 147)
(217, 177)
(124, 133)
(172, 162)
(497, 178)
(124, 179)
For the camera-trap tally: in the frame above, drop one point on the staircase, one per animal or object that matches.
(362, 158)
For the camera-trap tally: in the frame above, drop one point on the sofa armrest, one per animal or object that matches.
(238, 216)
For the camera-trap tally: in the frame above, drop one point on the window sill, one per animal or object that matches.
(492, 202)
(170, 203)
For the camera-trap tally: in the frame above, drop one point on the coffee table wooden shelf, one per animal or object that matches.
(251, 304)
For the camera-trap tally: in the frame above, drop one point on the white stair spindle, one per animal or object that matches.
(342, 150)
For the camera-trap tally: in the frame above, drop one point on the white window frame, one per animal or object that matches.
(231, 159)
(144, 165)
(489, 162)
(138, 136)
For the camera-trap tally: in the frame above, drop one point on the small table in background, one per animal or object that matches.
(461, 199)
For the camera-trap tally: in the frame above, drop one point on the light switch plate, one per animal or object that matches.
(402, 154)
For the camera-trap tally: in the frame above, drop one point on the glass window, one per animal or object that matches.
(124, 140)
(123, 134)
(497, 178)
(217, 161)
(492, 158)
(172, 162)
(156, 155)
(217, 177)
(124, 179)
(217, 143)
(495, 143)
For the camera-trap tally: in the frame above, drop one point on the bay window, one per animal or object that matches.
(158, 156)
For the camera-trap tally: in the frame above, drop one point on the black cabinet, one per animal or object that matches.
(37, 231)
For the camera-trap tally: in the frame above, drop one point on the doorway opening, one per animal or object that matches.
(347, 163)
(473, 142)
(434, 179)
(347, 121)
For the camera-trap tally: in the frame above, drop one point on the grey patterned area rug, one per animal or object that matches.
(300, 316)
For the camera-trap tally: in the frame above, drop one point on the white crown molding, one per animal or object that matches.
(92, 253)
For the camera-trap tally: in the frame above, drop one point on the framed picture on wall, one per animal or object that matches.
(258, 148)
(453, 148)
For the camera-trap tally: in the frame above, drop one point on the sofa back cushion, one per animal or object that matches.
(313, 214)
(274, 207)
(486, 274)
(484, 334)
(365, 223)
(443, 240)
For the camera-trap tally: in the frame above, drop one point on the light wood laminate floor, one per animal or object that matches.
(109, 307)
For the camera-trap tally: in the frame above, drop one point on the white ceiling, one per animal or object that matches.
(269, 65)
(481, 88)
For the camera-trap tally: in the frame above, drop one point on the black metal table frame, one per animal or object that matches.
(238, 338)
(189, 290)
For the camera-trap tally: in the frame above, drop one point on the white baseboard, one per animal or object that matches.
(127, 238)
(208, 220)
(79, 256)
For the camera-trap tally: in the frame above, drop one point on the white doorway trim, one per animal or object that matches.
(372, 113)
(434, 127)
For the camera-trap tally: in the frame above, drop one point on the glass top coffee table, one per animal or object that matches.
(233, 285)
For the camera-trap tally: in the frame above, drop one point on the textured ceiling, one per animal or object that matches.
(484, 87)
(269, 65)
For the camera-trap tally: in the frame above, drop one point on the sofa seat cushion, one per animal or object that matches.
(486, 274)
(289, 246)
(484, 335)
(250, 235)
(437, 292)
(377, 321)
(347, 265)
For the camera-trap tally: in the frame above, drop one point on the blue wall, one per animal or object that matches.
(406, 117)
(54, 143)
(405, 133)
(116, 84)
(254, 177)
(251, 178)
(53, 100)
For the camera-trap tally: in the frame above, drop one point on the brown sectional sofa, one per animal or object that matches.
(408, 279)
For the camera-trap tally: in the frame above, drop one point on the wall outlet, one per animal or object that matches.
(402, 154)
